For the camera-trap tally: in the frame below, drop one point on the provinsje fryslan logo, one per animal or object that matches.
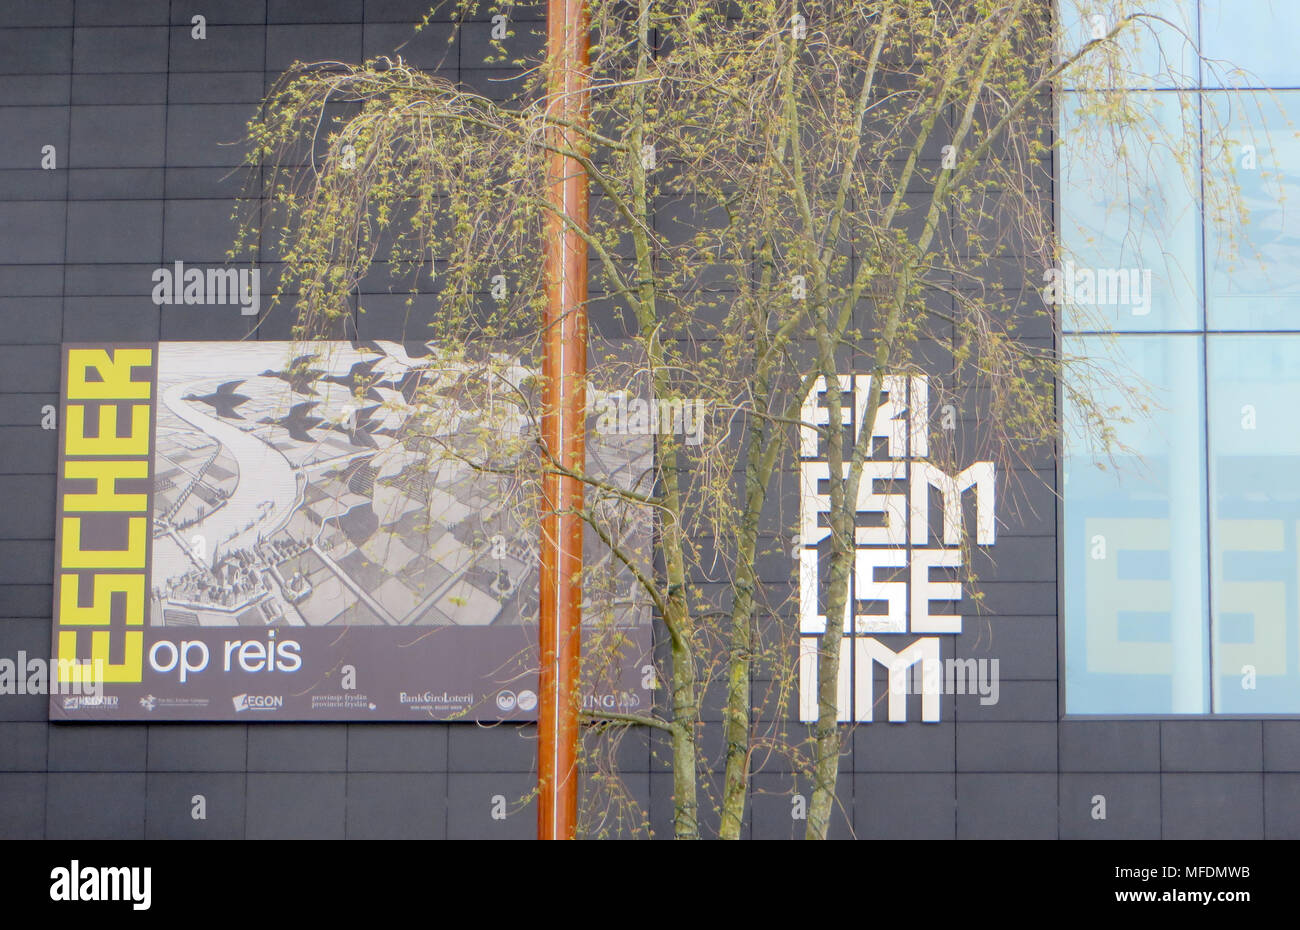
(894, 535)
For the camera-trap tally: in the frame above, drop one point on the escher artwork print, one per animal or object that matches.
(336, 530)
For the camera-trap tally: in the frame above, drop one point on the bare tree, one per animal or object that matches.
(782, 193)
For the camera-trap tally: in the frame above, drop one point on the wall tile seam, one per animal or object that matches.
(347, 783)
(276, 24)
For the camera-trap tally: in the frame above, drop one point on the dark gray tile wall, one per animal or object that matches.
(139, 113)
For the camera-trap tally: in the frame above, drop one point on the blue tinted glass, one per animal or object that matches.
(1134, 531)
(1130, 224)
(1149, 52)
(1250, 43)
(1254, 393)
(1253, 265)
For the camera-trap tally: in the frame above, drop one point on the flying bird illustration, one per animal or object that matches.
(298, 421)
(407, 384)
(366, 427)
(223, 400)
(299, 375)
(417, 349)
(360, 376)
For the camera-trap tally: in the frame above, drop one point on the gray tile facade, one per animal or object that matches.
(139, 114)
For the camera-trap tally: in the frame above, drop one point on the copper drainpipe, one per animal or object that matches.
(564, 370)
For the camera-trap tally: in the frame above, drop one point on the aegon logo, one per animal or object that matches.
(896, 535)
(244, 702)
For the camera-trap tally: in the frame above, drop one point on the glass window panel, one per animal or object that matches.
(1254, 393)
(1136, 626)
(1253, 266)
(1153, 52)
(1130, 225)
(1250, 43)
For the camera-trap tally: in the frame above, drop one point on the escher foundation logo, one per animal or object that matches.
(894, 538)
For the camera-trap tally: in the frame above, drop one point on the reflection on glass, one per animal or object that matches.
(1253, 268)
(1135, 550)
(1159, 51)
(1176, 603)
(1130, 225)
(1255, 517)
(1241, 43)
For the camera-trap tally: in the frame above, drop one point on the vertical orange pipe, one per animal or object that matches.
(564, 371)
